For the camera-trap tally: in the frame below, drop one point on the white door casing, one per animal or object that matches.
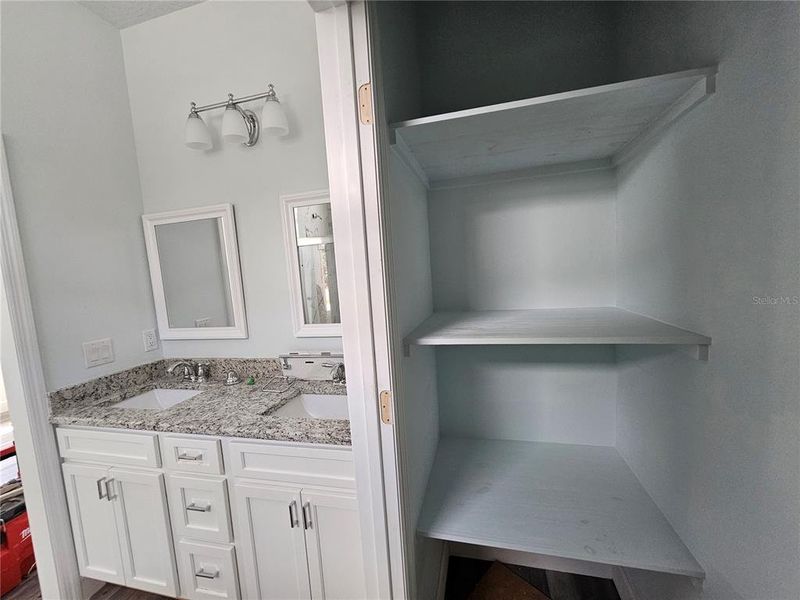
(344, 56)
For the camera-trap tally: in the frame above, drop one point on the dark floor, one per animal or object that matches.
(463, 575)
(29, 590)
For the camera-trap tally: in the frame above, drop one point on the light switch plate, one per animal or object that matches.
(98, 352)
(150, 340)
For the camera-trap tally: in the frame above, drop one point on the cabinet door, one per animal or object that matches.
(333, 539)
(93, 525)
(145, 538)
(270, 542)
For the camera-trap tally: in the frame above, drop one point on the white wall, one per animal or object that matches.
(200, 54)
(68, 134)
(476, 54)
(707, 220)
(531, 243)
(407, 205)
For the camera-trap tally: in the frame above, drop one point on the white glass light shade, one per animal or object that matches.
(234, 128)
(273, 119)
(196, 135)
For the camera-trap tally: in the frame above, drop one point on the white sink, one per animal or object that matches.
(157, 399)
(315, 406)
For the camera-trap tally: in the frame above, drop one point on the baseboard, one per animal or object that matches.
(90, 587)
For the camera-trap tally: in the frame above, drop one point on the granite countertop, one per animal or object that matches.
(240, 410)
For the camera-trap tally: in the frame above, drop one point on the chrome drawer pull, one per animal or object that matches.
(199, 507)
(293, 522)
(205, 575)
(307, 518)
(196, 457)
(109, 489)
(100, 494)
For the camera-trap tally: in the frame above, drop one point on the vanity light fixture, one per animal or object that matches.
(240, 126)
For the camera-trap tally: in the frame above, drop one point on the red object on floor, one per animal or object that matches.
(16, 549)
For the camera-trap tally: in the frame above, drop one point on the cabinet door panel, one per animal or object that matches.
(140, 504)
(93, 523)
(333, 539)
(270, 541)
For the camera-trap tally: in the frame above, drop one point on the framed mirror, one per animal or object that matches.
(194, 269)
(313, 291)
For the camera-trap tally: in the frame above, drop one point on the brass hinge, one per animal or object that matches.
(386, 407)
(365, 103)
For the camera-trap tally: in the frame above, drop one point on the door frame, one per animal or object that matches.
(23, 377)
(354, 168)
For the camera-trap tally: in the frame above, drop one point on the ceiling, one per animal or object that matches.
(124, 13)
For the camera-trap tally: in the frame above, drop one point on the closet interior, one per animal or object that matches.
(514, 277)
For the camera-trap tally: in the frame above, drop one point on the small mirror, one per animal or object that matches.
(194, 269)
(308, 230)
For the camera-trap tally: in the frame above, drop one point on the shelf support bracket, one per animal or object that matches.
(406, 349)
(703, 351)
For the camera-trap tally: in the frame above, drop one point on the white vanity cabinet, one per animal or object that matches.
(296, 522)
(197, 514)
(119, 517)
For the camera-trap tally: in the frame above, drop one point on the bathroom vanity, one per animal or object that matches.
(215, 496)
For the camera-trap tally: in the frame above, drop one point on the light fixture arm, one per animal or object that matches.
(270, 93)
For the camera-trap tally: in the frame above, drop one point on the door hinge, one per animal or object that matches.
(386, 406)
(365, 103)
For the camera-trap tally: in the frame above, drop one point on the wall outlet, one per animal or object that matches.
(204, 322)
(150, 340)
(98, 352)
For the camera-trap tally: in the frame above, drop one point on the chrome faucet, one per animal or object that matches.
(337, 373)
(189, 370)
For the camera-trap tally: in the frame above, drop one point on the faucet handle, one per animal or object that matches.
(232, 378)
(203, 372)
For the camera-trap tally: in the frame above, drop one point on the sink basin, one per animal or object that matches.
(157, 399)
(315, 406)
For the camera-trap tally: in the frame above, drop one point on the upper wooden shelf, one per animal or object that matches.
(604, 325)
(562, 500)
(604, 125)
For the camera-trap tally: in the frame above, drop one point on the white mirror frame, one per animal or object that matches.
(223, 212)
(288, 203)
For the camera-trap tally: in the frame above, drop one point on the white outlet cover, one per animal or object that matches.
(150, 340)
(98, 352)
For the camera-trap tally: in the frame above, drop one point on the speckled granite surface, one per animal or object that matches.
(232, 411)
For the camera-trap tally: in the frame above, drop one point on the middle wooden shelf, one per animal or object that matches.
(602, 325)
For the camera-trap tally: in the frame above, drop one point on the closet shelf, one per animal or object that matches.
(598, 127)
(604, 325)
(560, 500)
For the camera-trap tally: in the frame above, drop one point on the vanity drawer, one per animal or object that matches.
(199, 507)
(192, 455)
(207, 571)
(109, 447)
(302, 465)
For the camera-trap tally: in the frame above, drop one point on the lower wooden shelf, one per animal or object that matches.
(561, 500)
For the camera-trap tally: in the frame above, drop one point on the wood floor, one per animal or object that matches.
(29, 590)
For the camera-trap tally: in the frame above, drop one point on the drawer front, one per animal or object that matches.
(207, 571)
(192, 455)
(199, 507)
(293, 464)
(109, 447)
